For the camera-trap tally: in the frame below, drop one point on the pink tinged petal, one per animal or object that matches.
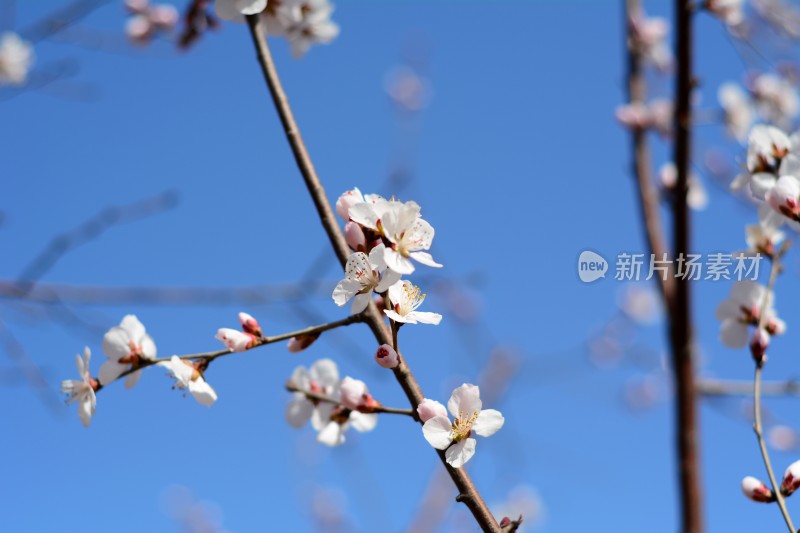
(733, 334)
(756, 490)
(363, 422)
(132, 379)
(425, 258)
(360, 302)
(398, 317)
(110, 370)
(785, 194)
(331, 435)
(234, 340)
(460, 452)
(352, 391)
(488, 423)
(149, 350)
(428, 409)
(325, 372)
(354, 236)
(344, 291)
(465, 399)
(438, 431)
(347, 200)
(298, 412)
(203, 392)
(421, 234)
(397, 262)
(116, 343)
(133, 328)
(424, 317)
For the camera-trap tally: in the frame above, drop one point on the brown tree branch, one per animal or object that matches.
(680, 310)
(468, 494)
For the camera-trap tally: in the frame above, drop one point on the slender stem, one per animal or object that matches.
(776, 489)
(466, 488)
(727, 387)
(291, 387)
(263, 341)
(680, 310)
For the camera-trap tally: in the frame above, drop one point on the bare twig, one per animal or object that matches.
(725, 387)
(467, 491)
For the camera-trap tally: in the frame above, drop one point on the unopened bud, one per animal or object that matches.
(776, 326)
(756, 490)
(250, 325)
(791, 479)
(301, 342)
(428, 409)
(354, 236)
(347, 200)
(354, 393)
(759, 343)
(235, 340)
(386, 356)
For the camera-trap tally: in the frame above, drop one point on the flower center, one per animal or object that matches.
(412, 298)
(462, 426)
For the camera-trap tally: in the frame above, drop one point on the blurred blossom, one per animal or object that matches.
(126, 346)
(696, 198)
(776, 99)
(743, 309)
(730, 12)
(82, 390)
(643, 392)
(407, 89)
(640, 303)
(783, 438)
(16, 59)
(148, 20)
(781, 14)
(192, 515)
(605, 351)
(522, 500)
(737, 110)
(649, 36)
(327, 509)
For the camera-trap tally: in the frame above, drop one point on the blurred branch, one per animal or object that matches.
(197, 19)
(724, 387)
(30, 371)
(468, 494)
(61, 19)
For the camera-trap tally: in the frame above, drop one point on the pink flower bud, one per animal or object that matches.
(250, 325)
(354, 236)
(776, 326)
(354, 393)
(427, 409)
(783, 196)
(347, 200)
(235, 340)
(791, 479)
(386, 356)
(164, 16)
(138, 29)
(633, 116)
(756, 490)
(759, 343)
(301, 342)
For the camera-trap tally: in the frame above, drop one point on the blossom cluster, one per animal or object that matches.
(302, 22)
(770, 97)
(147, 21)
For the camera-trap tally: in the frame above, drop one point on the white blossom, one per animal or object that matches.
(235, 10)
(321, 378)
(82, 390)
(409, 235)
(730, 12)
(126, 346)
(696, 198)
(363, 275)
(776, 99)
(737, 110)
(743, 309)
(649, 37)
(405, 298)
(235, 340)
(148, 20)
(188, 377)
(332, 434)
(469, 416)
(765, 236)
(768, 157)
(16, 59)
(305, 23)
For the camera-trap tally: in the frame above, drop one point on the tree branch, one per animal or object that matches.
(467, 491)
(291, 387)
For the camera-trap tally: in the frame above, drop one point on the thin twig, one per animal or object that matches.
(263, 341)
(727, 387)
(757, 427)
(680, 310)
(467, 491)
(291, 387)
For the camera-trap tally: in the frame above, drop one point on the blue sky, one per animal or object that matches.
(518, 164)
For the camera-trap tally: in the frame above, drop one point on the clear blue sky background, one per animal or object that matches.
(519, 165)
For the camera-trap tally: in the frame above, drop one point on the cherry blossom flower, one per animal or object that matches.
(768, 157)
(235, 340)
(341, 419)
(784, 197)
(363, 275)
(764, 237)
(409, 236)
(235, 10)
(756, 490)
(697, 198)
(355, 395)
(189, 377)
(306, 22)
(406, 298)
(649, 37)
(82, 390)
(737, 110)
(16, 59)
(148, 20)
(126, 346)
(321, 378)
(386, 356)
(469, 416)
(783, 15)
(776, 99)
(743, 309)
(730, 12)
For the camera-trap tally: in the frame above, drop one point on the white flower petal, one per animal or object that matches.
(438, 431)
(460, 452)
(149, 350)
(110, 370)
(398, 317)
(362, 421)
(424, 317)
(331, 435)
(397, 262)
(325, 372)
(733, 333)
(488, 423)
(360, 302)
(116, 343)
(203, 392)
(132, 379)
(425, 258)
(298, 412)
(344, 291)
(465, 400)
